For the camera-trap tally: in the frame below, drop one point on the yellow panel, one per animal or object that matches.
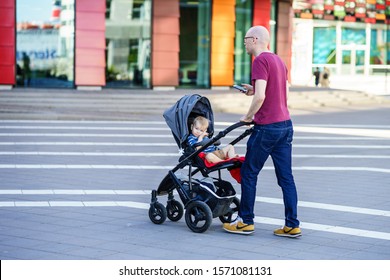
(223, 45)
(222, 42)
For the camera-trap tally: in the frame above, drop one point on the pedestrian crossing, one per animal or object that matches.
(30, 149)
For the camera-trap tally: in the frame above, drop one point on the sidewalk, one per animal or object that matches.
(123, 104)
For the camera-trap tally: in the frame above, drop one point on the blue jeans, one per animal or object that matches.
(269, 140)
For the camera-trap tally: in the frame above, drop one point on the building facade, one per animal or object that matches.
(348, 37)
(134, 43)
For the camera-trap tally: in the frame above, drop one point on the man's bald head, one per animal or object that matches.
(261, 33)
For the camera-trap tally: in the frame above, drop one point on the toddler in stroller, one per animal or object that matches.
(204, 197)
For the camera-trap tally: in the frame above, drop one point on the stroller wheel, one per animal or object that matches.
(232, 213)
(175, 210)
(198, 216)
(157, 213)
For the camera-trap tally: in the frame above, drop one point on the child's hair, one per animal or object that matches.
(202, 121)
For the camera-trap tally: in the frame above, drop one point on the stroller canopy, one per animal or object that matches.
(186, 108)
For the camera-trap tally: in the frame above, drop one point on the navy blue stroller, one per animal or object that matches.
(203, 198)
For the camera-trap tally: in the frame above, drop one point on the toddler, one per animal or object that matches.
(199, 133)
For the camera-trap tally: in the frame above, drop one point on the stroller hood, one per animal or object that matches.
(177, 117)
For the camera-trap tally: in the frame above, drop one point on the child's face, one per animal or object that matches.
(198, 130)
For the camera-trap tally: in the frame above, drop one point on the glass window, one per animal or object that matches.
(378, 51)
(242, 61)
(194, 39)
(324, 45)
(353, 36)
(45, 43)
(128, 31)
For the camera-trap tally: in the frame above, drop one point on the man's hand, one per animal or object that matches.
(249, 88)
(246, 119)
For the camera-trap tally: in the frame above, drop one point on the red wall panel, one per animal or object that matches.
(7, 42)
(90, 43)
(165, 43)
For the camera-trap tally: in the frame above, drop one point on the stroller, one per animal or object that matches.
(206, 197)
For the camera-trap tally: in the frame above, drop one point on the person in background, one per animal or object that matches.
(272, 135)
(316, 75)
(324, 78)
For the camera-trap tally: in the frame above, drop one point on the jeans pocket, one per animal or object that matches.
(270, 138)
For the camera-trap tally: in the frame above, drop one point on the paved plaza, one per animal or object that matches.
(80, 189)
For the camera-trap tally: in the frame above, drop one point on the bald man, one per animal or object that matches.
(272, 135)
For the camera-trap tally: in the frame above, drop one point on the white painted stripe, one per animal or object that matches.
(329, 228)
(164, 123)
(325, 206)
(174, 144)
(39, 153)
(145, 206)
(85, 135)
(95, 135)
(271, 200)
(159, 167)
(345, 131)
(84, 128)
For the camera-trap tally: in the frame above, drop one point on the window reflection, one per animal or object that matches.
(45, 43)
(194, 37)
(128, 24)
(242, 61)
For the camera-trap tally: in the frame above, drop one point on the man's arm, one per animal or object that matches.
(257, 100)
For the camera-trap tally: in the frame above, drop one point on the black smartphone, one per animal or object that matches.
(240, 88)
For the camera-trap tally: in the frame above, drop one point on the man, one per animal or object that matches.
(272, 135)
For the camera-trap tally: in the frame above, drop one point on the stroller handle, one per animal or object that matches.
(232, 127)
(215, 139)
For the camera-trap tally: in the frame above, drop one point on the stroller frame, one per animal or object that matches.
(203, 199)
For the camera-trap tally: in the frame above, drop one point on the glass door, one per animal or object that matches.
(194, 56)
(352, 61)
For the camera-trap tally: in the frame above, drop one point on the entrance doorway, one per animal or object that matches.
(352, 60)
(194, 56)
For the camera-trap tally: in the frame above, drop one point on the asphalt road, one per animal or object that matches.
(81, 190)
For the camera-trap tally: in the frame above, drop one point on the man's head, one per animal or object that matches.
(256, 40)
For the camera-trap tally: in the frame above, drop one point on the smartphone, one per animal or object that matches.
(240, 88)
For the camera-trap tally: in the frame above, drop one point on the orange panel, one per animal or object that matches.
(223, 32)
(223, 60)
(222, 77)
(225, 13)
(223, 28)
(226, 42)
(91, 76)
(224, 2)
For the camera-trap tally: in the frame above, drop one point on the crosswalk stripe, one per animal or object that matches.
(159, 167)
(145, 206)
(171, 144)
(271, 200)
(146, 154)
